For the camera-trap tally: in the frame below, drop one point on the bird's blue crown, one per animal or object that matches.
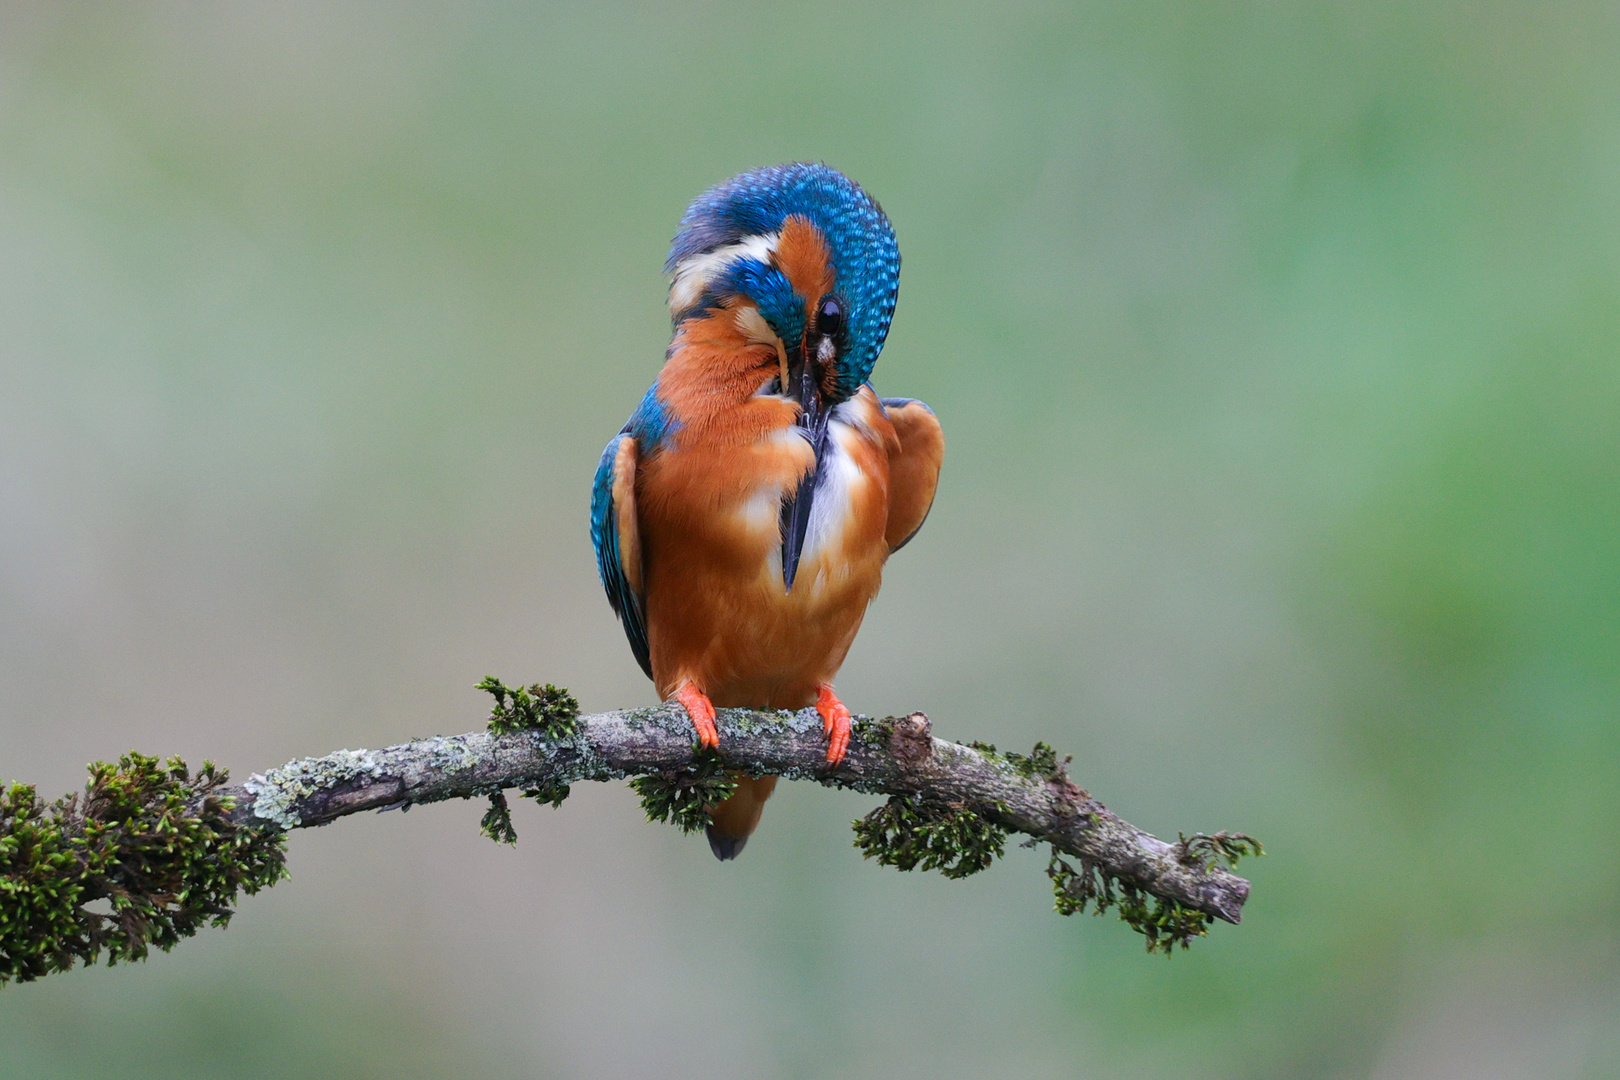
(865, 257)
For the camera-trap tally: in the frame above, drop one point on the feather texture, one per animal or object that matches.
(742, 518)
(615, 536)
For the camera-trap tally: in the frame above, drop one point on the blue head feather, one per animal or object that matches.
(865, 257)
(771, 292)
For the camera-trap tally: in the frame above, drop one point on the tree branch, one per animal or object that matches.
(167, 851)
(934, 786)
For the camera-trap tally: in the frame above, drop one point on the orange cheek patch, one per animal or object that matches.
(801, 253)
(718, 328)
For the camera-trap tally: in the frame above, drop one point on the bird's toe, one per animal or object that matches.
(701, 710)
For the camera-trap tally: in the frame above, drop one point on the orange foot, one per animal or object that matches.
(701, 710)
(835, 723)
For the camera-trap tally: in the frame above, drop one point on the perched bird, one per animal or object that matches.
(742, 517)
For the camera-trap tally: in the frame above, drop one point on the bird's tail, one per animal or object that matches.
(733, 821)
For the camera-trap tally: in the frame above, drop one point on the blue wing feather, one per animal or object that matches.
(609, 563)
(650, 429)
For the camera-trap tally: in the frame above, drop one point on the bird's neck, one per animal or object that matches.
(711, 380)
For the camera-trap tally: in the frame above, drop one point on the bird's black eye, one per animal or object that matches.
(829, 317)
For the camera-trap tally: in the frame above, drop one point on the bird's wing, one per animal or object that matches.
(914, 470)
(617, 542)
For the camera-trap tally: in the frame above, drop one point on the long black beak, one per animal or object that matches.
(804, 387)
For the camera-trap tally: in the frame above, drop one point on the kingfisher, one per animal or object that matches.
(742, 517)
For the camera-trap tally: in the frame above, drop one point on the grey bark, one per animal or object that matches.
(892, 757)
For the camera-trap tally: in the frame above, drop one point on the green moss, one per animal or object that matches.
(683, 797)
(548, 793)
(1208, 851)
(497, 820)
(547, 709)
(156, 843)
(1041, 762)
(909, 834)
(1164, 923)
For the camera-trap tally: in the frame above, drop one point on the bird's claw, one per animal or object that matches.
(834, 724)
(701, 710)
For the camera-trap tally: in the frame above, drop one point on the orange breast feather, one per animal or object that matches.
(709, 506)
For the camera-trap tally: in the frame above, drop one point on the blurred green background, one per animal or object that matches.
(1276, 346)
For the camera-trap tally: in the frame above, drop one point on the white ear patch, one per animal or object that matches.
(693, 274)
(754, 326)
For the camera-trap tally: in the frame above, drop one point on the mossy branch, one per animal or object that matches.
(170, 851)
(155, 845)
(950, 807)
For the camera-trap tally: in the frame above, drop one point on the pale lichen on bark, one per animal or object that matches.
(171, 851)
(897, 756)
